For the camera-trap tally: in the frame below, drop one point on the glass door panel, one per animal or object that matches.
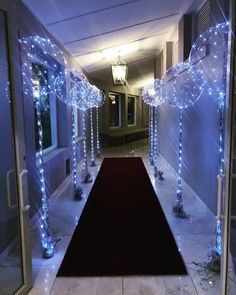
(231, 253)
(228, 262)
(13, 212)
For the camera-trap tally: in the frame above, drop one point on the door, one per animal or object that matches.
(15, 260)
(228, 259)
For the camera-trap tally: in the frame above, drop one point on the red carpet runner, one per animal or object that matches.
(122, 229)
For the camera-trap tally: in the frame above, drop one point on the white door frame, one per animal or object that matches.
(10, 7)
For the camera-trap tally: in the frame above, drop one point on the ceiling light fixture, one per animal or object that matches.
(119, 72)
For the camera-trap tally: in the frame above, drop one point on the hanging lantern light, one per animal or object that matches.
(119, 72)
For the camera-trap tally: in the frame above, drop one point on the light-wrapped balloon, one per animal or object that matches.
(40, 50)
(39, 54)
(209, 56)
(147, 95)
(62, 86)
(81, 96)
(94, 101)
(152, 96)
(80, 93)
(180, 89)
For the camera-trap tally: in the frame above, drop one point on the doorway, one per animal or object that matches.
(15, 260)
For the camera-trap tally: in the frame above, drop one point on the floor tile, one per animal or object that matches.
(87, 286)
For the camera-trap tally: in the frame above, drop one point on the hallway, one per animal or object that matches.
(193, 238)
(82, 81)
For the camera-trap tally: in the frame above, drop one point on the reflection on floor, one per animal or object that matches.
(193, 237)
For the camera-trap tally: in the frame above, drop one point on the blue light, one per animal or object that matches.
(98, 150)
(151, 95)
(37, 48)
(93, 163)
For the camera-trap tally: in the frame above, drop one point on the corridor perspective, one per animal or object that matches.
(118, 147)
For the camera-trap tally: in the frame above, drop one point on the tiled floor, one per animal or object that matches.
(193, 237)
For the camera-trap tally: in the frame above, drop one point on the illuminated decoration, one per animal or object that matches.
(80, 95)
(158, 100)
(86, 176)
(119, 72)
(151, 135)
(181, 90)
(152, 96)
(83, 96)
(101, 101)
(93, 162)
(96, 99)
(78, 192)
(48, 243)
(98, 148)
(209, 55)
(41, 51)
(62, 86)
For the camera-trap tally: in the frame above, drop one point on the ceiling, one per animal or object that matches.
(95, 32)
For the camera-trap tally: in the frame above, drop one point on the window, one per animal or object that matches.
(114, 110)
(41, 79)
(203, 19)
(131, 110)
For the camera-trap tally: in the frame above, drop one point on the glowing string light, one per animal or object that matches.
(47, 242)
(151, 145)
(78, 192)
(157, 173)
(151, 95)
(93, 163)
(98, 150)
(62, 89)
(178, 208)
(213, 70)
(40, 53)
(80, 94)
(180, 90)
(86, 176)
(155, 141)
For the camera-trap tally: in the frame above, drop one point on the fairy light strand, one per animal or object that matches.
(151, 134)
(92, 163)
(41, 53)
(157, 172)
(180, 158)
(98, 151)
(85, 173)
(78, 192)
(47, 241)
(155, 143)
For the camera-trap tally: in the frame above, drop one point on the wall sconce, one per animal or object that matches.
(119, 72)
